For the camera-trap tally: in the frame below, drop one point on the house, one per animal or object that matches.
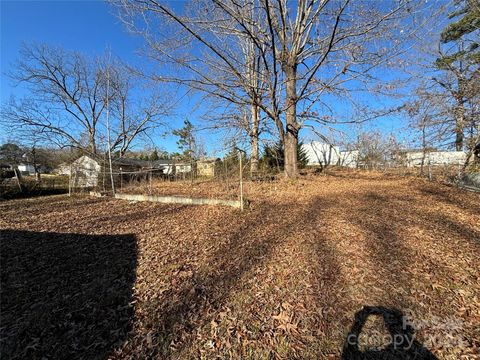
(87, 171)
(326, 154)
(182, 168)
(207, 167)
(321, 153)
(173, 167)
(26, 168)
(349, 158)
(413, 158)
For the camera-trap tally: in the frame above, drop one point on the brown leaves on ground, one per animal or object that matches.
(282, 280)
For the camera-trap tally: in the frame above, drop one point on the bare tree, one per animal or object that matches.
(133, 116)
(447, 85)
(227, 67)
(293, 43)
(67, 100)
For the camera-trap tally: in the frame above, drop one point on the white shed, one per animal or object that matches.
(85, 172)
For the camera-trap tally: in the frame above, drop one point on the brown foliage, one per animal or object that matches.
(282, 280)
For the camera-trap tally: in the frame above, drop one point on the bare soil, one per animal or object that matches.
(95, 278)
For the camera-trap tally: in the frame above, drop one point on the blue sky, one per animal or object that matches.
(86, 26)
(91, 27)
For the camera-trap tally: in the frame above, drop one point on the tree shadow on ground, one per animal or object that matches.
(381, 221)
(65, 296)
(195, 302)
(402, 343)
(135, 214)
(446, 195)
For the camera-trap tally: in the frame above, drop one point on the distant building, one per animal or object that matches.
(349, 158)
(207, 167)
(88, 171)
(26, 169)
(413, 158)
(171, 167)
(326, 154)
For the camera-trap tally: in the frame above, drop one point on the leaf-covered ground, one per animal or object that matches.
(94, 278)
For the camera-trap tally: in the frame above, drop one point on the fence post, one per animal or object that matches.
(150, 180)
(70, 181)
(121, 179)
(241, 181)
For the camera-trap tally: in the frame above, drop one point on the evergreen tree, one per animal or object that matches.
(11, 153)
(186, 141)
(273, 156)
(468, 48)
(154, 156)
(459, 66)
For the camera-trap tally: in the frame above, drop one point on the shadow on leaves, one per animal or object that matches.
(402, 346)
(65, 296)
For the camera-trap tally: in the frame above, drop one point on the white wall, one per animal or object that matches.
(414, 159)
(349, 158)
(26, 168)
(326, 154)
(320, 153)
(179, 168)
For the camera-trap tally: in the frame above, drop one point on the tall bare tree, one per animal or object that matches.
(67, 100)
(308, 50)
(226, 67)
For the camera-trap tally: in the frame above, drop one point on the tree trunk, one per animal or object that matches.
(18, 177)
(424, 149)
(291, 133)
(459, 138)
(35, 167)
(92, 142)
(459, 127)
(254, 140)
(253, 156)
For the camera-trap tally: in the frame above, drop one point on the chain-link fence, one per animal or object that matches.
(13, 184)
(209, 178)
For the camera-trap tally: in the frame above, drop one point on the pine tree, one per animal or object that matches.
(154, 156)
(458, 32)
(186, 141)
(273, 156)
(460, 65)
